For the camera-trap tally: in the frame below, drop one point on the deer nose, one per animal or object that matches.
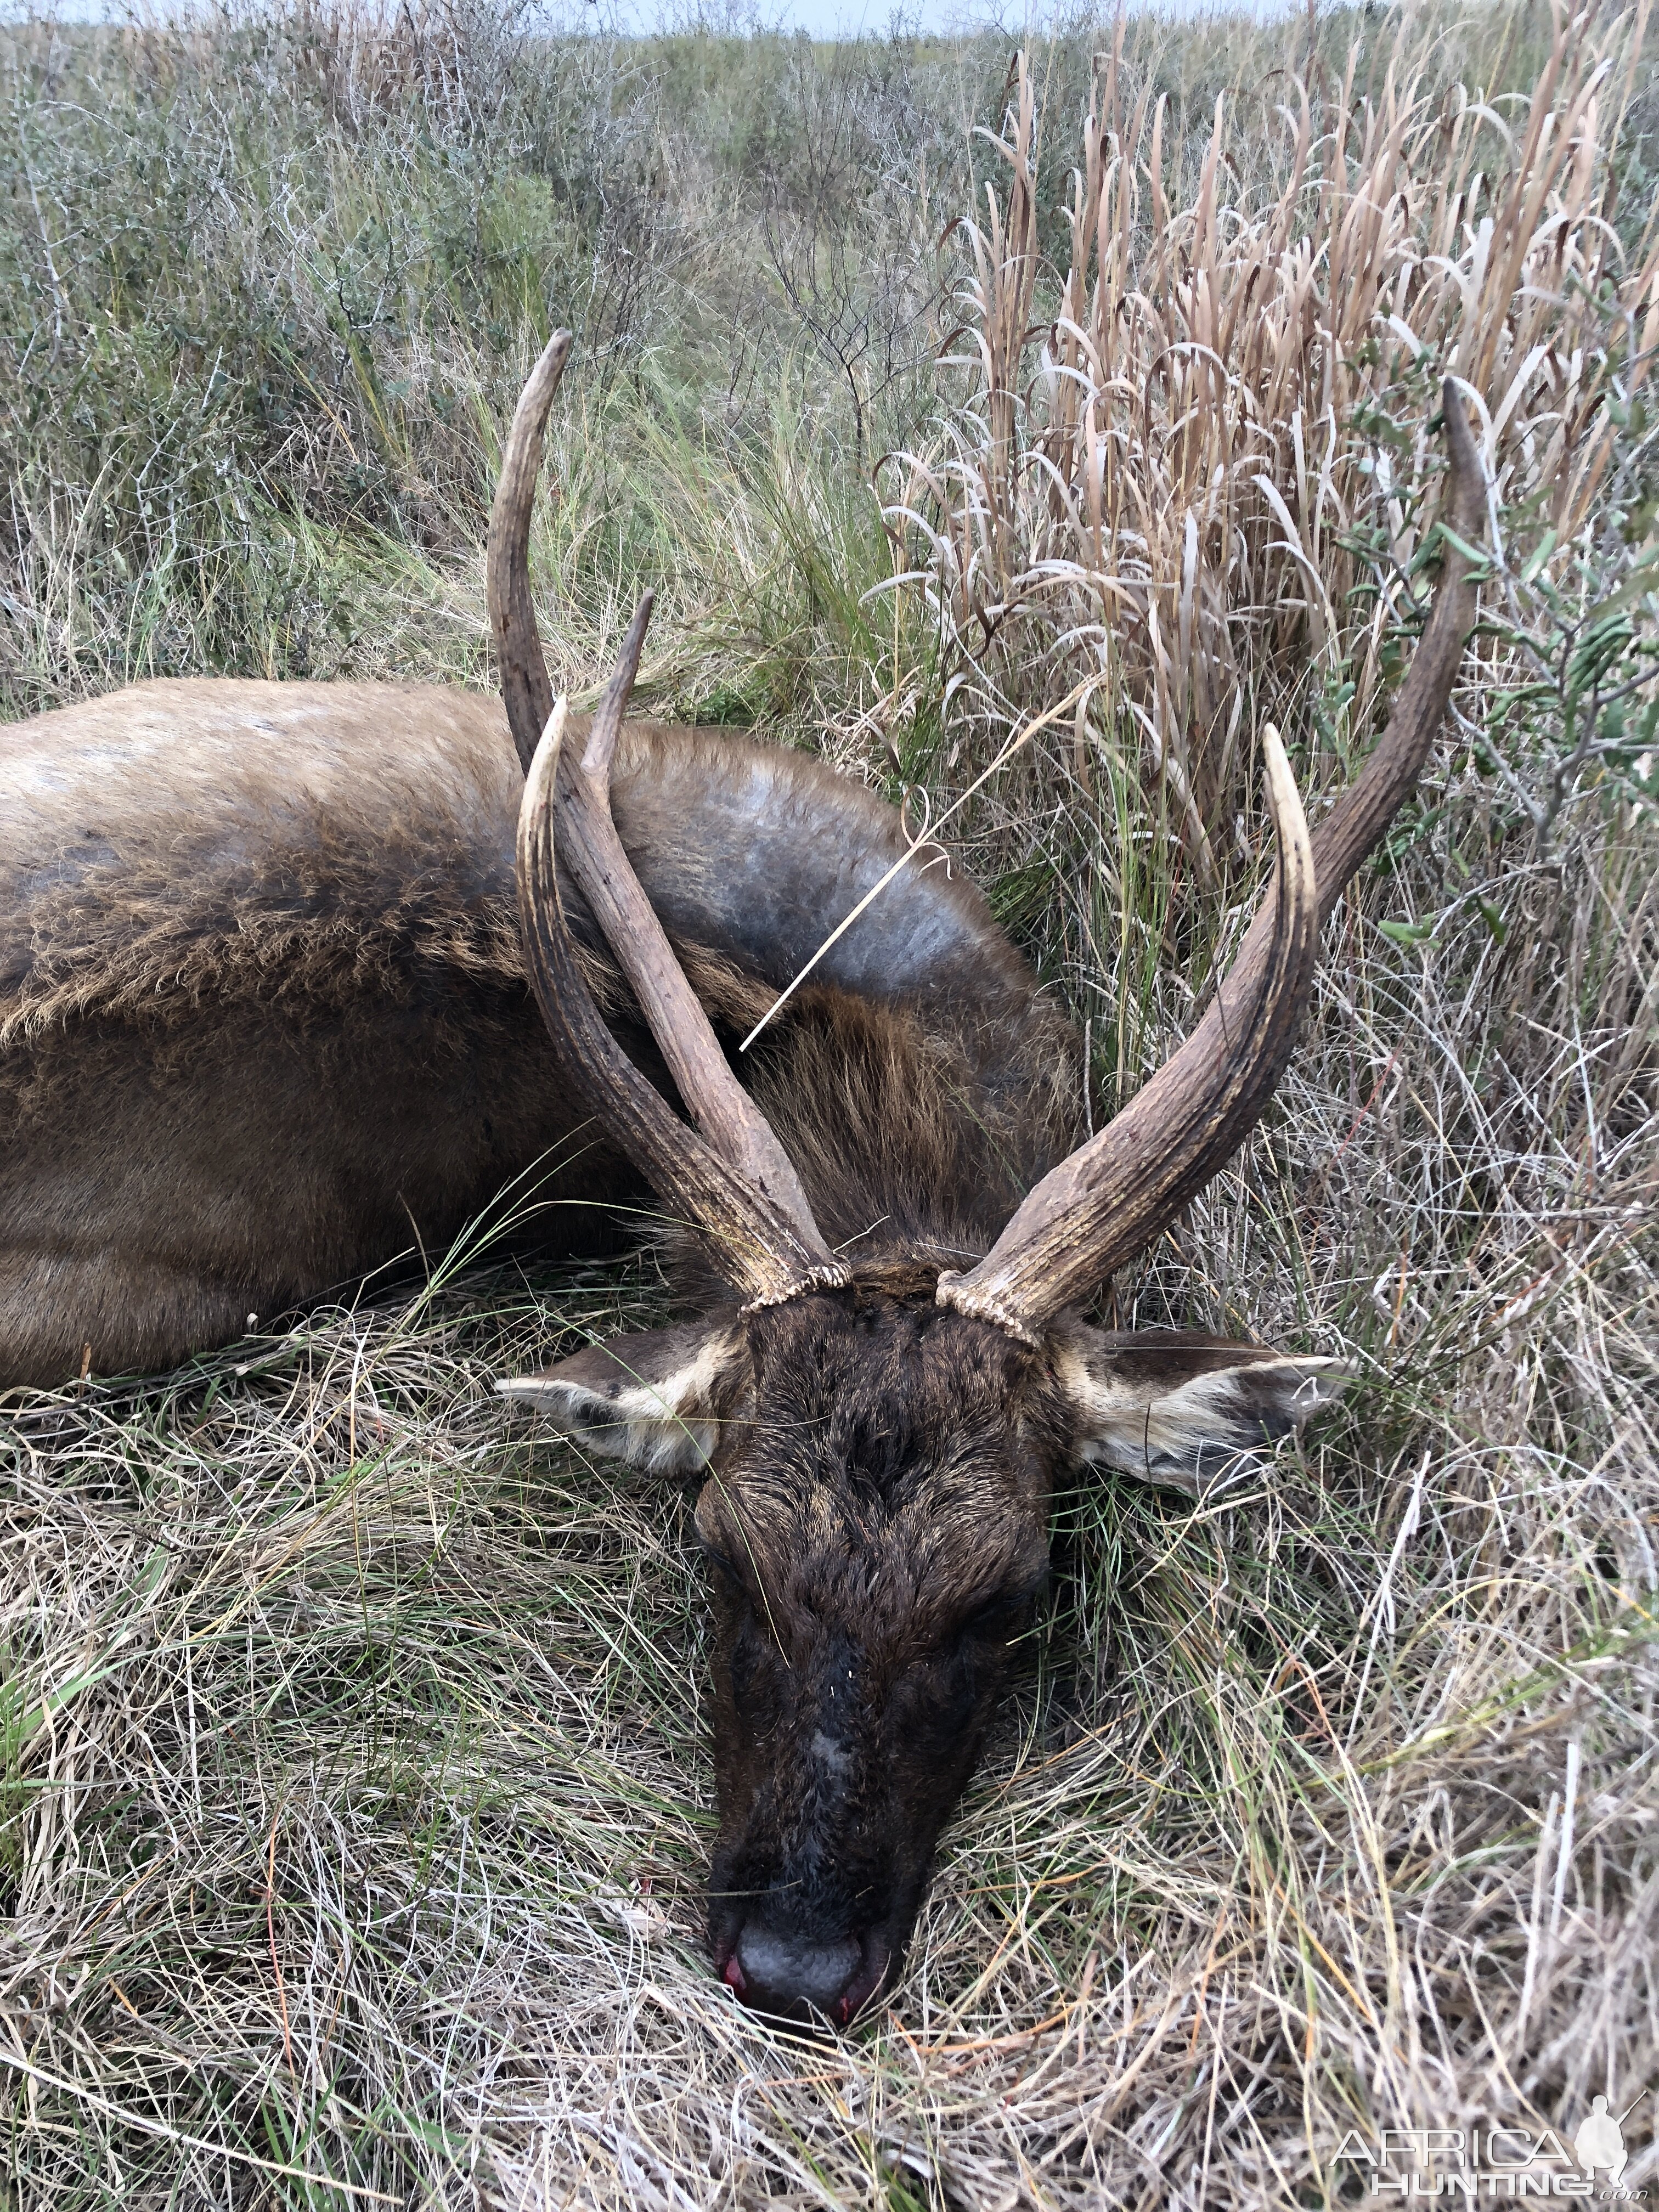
(792, 1976)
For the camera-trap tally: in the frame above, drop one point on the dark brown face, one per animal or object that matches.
(877, 1527)
(879, 1472)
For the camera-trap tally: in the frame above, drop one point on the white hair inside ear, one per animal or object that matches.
(654, 1398)
(1187, 1411)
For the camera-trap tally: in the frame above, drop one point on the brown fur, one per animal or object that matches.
(879, 1472)
(878, 1520)
(263, 1019)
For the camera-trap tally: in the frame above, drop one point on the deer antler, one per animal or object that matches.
(734, 1180)
(1111, 1198)
(525, 685)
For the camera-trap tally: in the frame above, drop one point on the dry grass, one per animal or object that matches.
(355, 1802)
(1154, 493)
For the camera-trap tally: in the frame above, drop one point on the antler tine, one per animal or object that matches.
(1111, 1198)
(1362, 814)
(606, 726)
(734, 1180)
(526, 689)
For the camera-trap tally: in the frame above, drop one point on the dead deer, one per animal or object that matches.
(276, 1003)
(895, 1385)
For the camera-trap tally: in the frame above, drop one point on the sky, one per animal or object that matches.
(819, 18)
(830, 19)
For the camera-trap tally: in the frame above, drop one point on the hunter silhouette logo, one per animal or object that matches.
(1499, 2162)
(1598, 2144)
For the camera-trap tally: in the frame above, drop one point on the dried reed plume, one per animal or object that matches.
(1152, 488)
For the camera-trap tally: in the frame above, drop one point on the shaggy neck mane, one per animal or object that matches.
(915, 1135)
(307, 853)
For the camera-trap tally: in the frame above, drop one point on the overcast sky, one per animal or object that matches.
(827, 19)
(820, 19)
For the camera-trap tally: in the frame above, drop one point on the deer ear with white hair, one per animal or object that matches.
(655, 1399)
(1183, 1411)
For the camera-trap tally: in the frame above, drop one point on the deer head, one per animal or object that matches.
(878, 1445)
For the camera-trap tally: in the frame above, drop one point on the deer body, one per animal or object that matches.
(265, 1023)
(293, 978)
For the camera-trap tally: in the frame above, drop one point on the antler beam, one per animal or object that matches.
(525, 685)
(1113, 1196)
(734, 1180)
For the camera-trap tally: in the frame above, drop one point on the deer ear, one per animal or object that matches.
(1184, 1410)
(654, 1398)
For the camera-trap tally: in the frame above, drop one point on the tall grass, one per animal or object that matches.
(354, 1805)
(1192, 481)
